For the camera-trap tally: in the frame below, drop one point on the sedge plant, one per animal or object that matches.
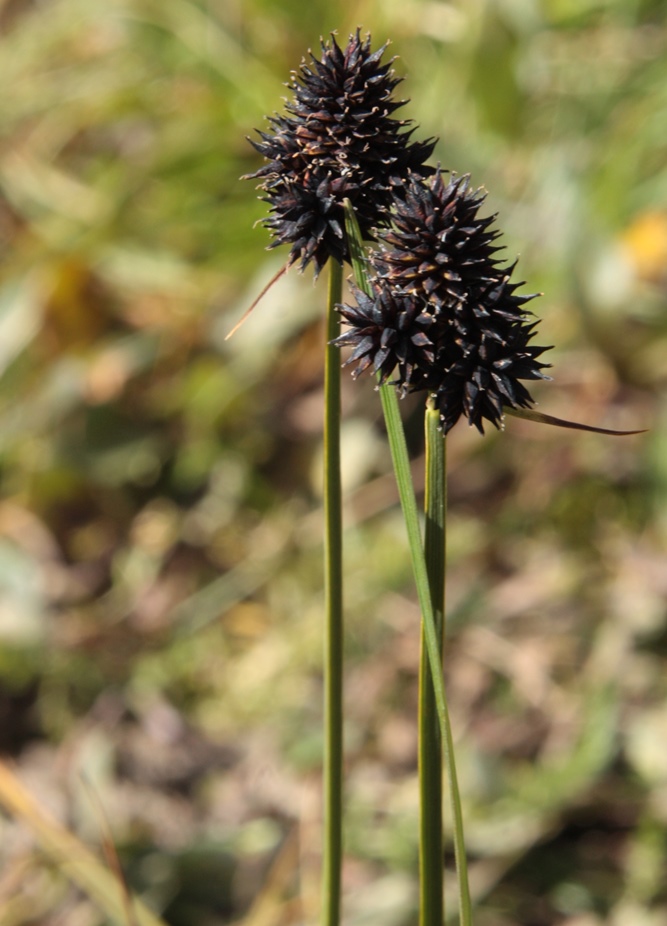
(436, 312)
(337, 141)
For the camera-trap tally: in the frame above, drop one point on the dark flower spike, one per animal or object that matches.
(458, 329)
(388, 331)
(439, 247)
(443, 316)
(337, 141)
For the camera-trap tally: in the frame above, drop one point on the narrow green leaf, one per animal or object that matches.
(401, 462)
(358, 257)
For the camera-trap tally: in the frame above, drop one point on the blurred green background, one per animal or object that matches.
(160, 522)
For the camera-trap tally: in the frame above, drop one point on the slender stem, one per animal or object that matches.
(431, 852)
(401, 462)
(333, 642)
(399, 454)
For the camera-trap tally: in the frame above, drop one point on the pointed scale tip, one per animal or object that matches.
(540, 418)
(263, 293)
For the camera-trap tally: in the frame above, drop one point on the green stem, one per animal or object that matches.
(401, 463)
(333, 643)
(431, 852)
(399, 454)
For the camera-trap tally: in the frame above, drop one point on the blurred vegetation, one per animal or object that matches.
(160, 580)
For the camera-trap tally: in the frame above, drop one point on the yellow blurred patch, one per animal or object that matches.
(646, 242)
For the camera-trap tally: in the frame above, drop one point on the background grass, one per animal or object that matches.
(160, 553)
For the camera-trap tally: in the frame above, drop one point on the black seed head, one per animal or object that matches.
(457, 327)
(389, 332)
(338, 140)
(439, 246)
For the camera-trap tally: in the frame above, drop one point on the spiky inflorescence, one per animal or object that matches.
(388, 331)
(457, 327)
(339, 141)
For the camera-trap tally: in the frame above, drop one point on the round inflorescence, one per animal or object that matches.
(443, 314)
(337, 141)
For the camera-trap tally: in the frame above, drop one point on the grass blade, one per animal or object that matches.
(74, 859)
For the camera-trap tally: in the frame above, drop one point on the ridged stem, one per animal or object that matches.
(431, 853)
(333, 641)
